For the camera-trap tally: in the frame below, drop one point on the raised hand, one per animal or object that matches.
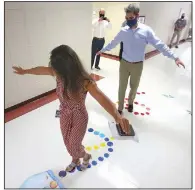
(18, 70)
(179, 62)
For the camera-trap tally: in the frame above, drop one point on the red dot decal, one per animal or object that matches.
(148, 109)
(126, 107)
(142, 114)
(135, 102)
(143, 105)
(143, 93)
(136, 113)
(147, 113)
(138, 92)
(127, 104)
(126, 98)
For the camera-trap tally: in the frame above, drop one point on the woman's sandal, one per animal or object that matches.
(72, 166)
(85, 163)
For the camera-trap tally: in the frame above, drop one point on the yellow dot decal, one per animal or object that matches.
(111, 138)
(88, 148)
(96, 147)
(103, 144)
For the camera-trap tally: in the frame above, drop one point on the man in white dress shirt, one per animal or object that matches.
(99, 27)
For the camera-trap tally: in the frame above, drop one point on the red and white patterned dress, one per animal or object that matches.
(73, 120)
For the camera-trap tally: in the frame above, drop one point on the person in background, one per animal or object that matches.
(179, 26)
(135, 36)
(121, 44)
(72, 85)
(99, 27)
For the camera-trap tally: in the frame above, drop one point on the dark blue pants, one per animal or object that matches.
(97, 45)
(121, 51)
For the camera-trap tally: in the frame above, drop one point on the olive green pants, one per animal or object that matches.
(126, 70)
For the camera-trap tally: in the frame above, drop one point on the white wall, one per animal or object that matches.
(162, 16)
(32, 30)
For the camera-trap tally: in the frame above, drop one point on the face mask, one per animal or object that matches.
(132, 22)
(182, 17)
(101, 15)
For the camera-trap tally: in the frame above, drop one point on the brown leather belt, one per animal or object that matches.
(133, 62)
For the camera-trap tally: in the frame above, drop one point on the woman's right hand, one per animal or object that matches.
(19, 70)
(124, 123)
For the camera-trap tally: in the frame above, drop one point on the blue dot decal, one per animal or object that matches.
(106, 139)
(100, 158)
(94, 163)
(89, 166)
(102, 135)
(62, 173)
(90, 130)
(110, 150)
(110, 143)
(106, 155)
(96, 133)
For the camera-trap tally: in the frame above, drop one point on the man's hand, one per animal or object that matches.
(99, 53)
(100, 19)
(179, 62)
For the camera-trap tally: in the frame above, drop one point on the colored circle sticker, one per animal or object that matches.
(111, 138)
(96, 133)
(88, 148)
(135, 102)
(102, 135)
(100, 158)
(110, 143)
(90, 130)
(136, 113)
(53, 184)
(106, 155)
(106, 139)
(96, 147)
(110, 150)
(62, 173)
(94, 163)
(103, 144)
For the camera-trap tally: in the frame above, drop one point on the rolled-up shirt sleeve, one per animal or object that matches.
(118, 38)
(159, 45)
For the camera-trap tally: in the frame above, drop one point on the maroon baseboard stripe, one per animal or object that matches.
(34, 103)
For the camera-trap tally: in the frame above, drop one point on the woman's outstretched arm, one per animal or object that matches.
(108, 105)
(34, 71)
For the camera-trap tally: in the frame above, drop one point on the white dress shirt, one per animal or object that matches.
(100, 27)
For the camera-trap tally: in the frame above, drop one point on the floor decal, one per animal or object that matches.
(168, 96)
(51, 179)
(145, 110)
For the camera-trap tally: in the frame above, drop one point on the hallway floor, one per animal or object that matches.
(161, 158)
